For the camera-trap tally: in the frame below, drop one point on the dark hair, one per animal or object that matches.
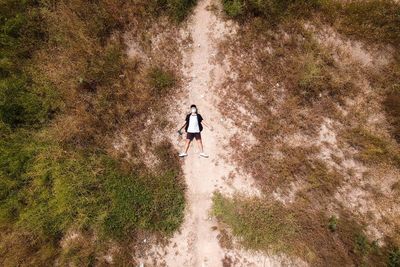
(193, 106)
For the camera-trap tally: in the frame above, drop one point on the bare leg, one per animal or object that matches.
(200, 145)
(187, 145)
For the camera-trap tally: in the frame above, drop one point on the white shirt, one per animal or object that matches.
(193, 124)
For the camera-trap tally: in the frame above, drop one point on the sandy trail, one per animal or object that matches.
(196, 244)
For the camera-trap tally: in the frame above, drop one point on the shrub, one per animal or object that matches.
(175, 9)
(332, 224)
(361, 244)
(20, 105)
(318, 79)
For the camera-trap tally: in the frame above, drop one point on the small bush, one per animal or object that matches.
(103, 69)
(178, 10)
(361, 244)
(20, 105)
(318, 80)
(332, 224)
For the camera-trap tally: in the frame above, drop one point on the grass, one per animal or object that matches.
(318, 79)
(47, 191)
(372, 148)
(291, 82)
(394, 258)
(373, 20)
(259, 225)
(67, 88)
(332, 224)
(392, 108)
(161, 80)
(177, 10)
(267, 225)
(272, 11)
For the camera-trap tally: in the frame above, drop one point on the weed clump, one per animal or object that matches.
(394, 258)
(272, 11)
(317, 80)
(332, 224)
(372, 148)
(160, 80)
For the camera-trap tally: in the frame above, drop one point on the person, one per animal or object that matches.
(193, 126)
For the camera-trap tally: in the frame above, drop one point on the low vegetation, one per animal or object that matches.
(392, 108)
(315, 128)
(67, 89)
(373, 149)
(262, 224)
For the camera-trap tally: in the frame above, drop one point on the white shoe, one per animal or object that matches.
(183, 154)
(204, 155)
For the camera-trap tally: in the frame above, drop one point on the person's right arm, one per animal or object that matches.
(182, 126)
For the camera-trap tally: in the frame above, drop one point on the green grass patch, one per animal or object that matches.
(272, 11)
(299, 230)
(318, 79)
(161, 80)
(257, 224)
(46, 191)
(372, 148)
(394, 258)
(178, 10)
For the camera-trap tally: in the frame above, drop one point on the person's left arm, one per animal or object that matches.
(206, 124)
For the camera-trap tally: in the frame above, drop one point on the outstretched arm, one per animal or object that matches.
(208, 126)
(182, 127)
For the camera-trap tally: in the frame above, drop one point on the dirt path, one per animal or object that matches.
(196, 244)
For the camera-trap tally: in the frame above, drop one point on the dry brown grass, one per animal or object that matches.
(106, 92)
(291, 82)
